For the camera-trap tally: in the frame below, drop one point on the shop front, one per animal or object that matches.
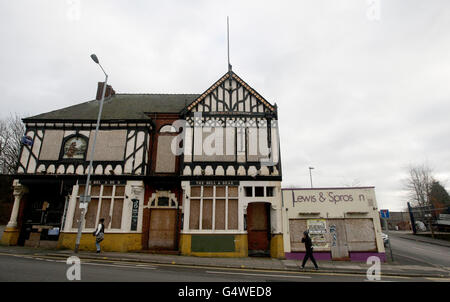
(343, 223)
(231, 219)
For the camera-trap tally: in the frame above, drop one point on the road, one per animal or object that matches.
(30, 268)
(407, 251)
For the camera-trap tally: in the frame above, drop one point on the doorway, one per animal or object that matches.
(162, 235)
(258, 229)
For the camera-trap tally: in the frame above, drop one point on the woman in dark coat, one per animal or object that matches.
(309, 250)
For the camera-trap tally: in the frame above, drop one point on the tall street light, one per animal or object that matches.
(310, 175)
(85, 199)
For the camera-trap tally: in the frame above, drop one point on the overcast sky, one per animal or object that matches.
(363, 87)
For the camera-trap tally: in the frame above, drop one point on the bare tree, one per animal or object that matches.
(11, 131)
(419, 184)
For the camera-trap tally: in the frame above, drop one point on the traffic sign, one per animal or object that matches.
(384, 213)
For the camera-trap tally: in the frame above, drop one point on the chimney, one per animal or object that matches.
(109, 91)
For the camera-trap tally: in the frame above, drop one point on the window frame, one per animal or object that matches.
(65, 141)
(100, 198)
(214, 199)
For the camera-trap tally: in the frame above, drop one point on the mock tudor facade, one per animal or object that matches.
(198, 174)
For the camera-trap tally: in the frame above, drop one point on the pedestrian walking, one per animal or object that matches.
(309, 250)
(99, 234)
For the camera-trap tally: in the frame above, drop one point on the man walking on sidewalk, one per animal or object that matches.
(309, 250)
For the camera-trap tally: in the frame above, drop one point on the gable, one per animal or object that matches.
(231, 94)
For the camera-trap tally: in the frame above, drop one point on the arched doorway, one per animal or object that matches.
(163, 221)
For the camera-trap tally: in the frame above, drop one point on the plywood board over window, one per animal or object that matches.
(194, 218)
(220, 191)
(220, 214)
(233, 191)
(95, 190)
(232, 214)
(108, 190)
(296, 229)
(106, 202)
(104, 211)
(77, 214)
(207, 214)
(120, 191)
(165, 158)
(208, 191)
(91, 213)
(360, 234)
(116, 222)
(196, 191)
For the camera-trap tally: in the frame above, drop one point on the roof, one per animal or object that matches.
(121, 107)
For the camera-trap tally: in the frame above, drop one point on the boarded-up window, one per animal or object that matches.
(232, 214)
(81, 189)
(120, 191)
(116, 222)
(215, 202)
(360, 235)
(102, 196)
(207, 191)
(196, 191)
(110, 145)
(220, 191)
(296, 229)
(165, 158)
(91, 214)
(233, 191)
(104, 211)
(194, 219)
(76, 216)
(95, 190)
(207, 214)
(220, 214)
(107, 191)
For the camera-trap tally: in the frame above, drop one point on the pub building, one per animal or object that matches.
(194, 174)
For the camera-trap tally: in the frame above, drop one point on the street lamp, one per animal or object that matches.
(310, 175)
(86, 198)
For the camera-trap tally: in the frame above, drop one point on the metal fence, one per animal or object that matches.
(429, 219)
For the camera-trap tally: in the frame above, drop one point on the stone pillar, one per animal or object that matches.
(11, 233)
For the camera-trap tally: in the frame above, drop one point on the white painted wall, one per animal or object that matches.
(330, 203)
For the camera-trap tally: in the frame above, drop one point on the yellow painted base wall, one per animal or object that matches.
(277, 247)
(113, 242)
(241, 247)
(10, 236)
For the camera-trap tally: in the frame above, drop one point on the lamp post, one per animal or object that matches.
(310, 175)
(86, 198)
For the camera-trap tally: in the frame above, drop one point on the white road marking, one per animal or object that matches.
(259, 275)
(439, 279)
(121, 266)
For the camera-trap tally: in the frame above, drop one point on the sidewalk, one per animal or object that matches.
(387, 269)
